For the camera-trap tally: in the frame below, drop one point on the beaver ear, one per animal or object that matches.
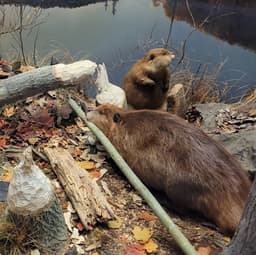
(117, 117)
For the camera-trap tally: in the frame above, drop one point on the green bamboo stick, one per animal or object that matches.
(173, 229)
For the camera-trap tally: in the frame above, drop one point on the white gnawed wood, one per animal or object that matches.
(83, 191)
(108, 92)
(44, 79)
(34, 208)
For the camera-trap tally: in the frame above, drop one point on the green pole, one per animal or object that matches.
(180, 239)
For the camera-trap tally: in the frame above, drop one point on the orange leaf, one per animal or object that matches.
(135, 249)
(3, 141)
(76, 153)
(95, 174)
(147, 216)
(7, 176)
(8, 112)
(80, 226)
(204, 251)
(2, 123)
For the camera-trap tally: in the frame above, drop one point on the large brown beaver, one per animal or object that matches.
(170, 155)
(147, 82)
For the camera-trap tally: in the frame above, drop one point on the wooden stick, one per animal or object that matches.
(181, 240)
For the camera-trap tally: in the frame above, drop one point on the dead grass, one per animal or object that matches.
(200, 87)
(13, 240)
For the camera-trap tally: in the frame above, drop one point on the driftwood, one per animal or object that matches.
(83, 191)
(34, 209)
(44, 79)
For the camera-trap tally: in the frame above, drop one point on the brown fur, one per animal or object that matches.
(170, 155)
(147, 82)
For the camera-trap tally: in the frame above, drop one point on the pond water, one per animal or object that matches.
(119, 32)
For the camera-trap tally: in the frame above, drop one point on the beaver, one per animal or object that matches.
(172, 156)
(147, 82)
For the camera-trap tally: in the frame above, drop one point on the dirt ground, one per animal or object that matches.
(47, 119)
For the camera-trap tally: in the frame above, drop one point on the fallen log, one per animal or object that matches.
(83, 191)
(44, 79)
(34, 210)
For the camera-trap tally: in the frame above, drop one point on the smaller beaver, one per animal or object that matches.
(147, 82)
(170, 155)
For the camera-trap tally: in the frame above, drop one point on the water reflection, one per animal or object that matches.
(58, 3)
(229, 20)
(119, 32)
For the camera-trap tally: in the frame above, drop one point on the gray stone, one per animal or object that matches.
(242, 145)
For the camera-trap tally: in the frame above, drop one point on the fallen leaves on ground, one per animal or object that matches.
(147, 216)
(135, 249)
(204, 251)
(115, 224)
(151, 246)
(142, 234)
(9, 111)
(88, 165)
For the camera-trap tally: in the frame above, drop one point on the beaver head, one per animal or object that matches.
(105, 117)
(158, 59)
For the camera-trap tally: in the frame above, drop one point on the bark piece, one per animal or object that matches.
(43, 79)
(83, 191)
(34, 208)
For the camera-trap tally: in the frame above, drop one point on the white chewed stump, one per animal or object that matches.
(34, 208)
(108, 92)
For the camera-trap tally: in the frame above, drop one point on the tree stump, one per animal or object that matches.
(34, 208)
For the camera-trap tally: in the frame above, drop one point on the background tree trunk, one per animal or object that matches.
(243, 242)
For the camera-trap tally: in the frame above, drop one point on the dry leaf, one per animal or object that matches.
(115, 223)
(142, 234)
(135, 249)
(76, 153)
(80, 226)
(3, 141)
(227, 239)
(88, 165)
(95, 253)
(147, 216)
(8, 112)
(33, 140)
(151, 246)
(2, 123)
(204, 251)
(8, 175)
(95, 174)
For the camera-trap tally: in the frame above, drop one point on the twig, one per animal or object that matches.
(181, 240)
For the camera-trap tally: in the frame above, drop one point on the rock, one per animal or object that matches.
(209, 113)
(239, 142)
(242, 145)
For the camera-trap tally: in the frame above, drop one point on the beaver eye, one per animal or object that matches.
(101, 112)
(116, 118)
(152, 56)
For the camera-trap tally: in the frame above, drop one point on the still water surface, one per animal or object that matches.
(119, 32)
